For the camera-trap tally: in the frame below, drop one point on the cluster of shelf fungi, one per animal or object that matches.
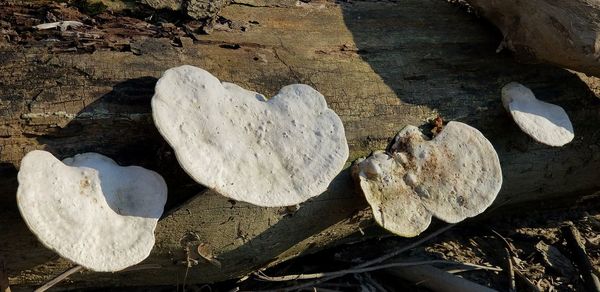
(271, 152)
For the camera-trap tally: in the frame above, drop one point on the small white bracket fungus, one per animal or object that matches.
(453, 176)
(544, 122)
(276, 152)
(89, 209)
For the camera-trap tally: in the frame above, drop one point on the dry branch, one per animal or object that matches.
(285, 278)
(59, 278)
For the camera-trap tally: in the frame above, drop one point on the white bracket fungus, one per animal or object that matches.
(89, 209)
(453, 176)
(276, 152)
(544, 122)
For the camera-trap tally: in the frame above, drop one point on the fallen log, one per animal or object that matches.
(563, 33)
(380, 66)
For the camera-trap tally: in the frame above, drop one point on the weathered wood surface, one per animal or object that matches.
(565, 33)
(380, 65)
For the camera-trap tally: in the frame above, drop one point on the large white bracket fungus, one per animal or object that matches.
(544, 122)
(453, 176)
(276, 152)
(89, 209)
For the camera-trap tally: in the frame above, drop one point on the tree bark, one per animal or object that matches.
(380, 66)
(564, 33)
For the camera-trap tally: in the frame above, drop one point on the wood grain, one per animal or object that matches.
(564, 33)
(380, 66)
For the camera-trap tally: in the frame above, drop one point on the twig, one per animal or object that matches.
(532, 286)
(586, 269)
(371, 262)
(368, 269)
(315, 289)
(187, 269)
(437, 280)
(506, 243)
(60, 277)
(337, 286)
(77, 268)
(511, 271)
(4, 285)
(142, 267)
(512, 254)
(375, 283)
(405, 248)
(459, 269)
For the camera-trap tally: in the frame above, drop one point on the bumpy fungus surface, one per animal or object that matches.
(89, 209)
(276, 152)
(544, 122)
(454, 176)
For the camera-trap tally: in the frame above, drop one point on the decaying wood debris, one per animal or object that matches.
(204, 10)
(380, 65)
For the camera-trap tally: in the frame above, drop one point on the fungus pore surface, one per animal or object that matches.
(276, 152)
(455, 175)
(89, 209)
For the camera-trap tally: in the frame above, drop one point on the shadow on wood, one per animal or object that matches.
(119, 125)
(457, 74)
(398, 64)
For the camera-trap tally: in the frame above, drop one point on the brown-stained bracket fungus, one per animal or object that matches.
(276, 152)
(544, 122)
(453, 176)
(89, 209)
